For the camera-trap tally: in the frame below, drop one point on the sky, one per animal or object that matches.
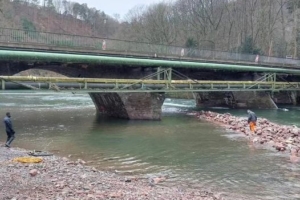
(112, 7)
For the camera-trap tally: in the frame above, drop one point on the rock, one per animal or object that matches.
(259, 132)
(70, 163)
(157, 180)
(80, 161)
(115, 195)
(33, 172)
(83, 176)
(294, 158)
(65, 159)
(91, 196)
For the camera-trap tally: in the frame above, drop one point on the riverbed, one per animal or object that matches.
(190, 152)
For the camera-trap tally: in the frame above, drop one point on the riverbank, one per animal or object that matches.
(280, 137)
(61, 178)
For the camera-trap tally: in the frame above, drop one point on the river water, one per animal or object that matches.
(191, 152)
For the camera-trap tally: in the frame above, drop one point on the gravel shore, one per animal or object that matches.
(60, 178)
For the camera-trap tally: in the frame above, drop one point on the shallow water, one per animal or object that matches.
(189, 151)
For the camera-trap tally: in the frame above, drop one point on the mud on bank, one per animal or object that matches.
(60, 178)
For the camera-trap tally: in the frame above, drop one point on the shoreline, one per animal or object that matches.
(282, 138)
(60, 178)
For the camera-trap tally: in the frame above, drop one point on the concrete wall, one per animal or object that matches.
(137, 106)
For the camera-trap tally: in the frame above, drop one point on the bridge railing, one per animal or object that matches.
(56, 41)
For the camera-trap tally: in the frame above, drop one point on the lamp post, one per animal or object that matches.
(104, 41)
(105, 21)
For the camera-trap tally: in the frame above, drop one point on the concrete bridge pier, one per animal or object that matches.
(134, 106)
(287, 97)
(236, 100)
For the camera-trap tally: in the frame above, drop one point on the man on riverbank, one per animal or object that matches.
(9, 130)
(252, 118)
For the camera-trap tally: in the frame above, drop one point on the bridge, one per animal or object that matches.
(138, 98)
(33, 46)
(100, 85)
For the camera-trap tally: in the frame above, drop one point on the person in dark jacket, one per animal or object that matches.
(252, 118)
(9, 129)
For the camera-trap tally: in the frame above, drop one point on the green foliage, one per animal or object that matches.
(29, 28)
(191, 43)
(248, 47)
(28, 25)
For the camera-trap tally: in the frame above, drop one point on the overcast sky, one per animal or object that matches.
(112, 7)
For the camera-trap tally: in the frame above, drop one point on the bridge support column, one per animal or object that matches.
(236, 100)
(294, 97)
(3, 84)
(286, 98)
(135, 106)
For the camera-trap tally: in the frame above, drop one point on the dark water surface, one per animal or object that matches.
(190, 151)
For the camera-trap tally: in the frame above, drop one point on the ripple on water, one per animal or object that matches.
(190, 152)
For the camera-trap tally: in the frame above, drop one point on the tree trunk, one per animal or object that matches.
(295, 29)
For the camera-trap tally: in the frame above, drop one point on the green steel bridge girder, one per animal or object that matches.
(30, 56)
(90, 85)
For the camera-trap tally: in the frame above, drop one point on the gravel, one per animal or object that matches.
(61, 178)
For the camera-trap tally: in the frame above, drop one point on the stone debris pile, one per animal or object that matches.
(281, 137)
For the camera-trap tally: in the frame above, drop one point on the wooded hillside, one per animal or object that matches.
(266, 27)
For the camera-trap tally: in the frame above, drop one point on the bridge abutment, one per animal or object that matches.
(134, 106)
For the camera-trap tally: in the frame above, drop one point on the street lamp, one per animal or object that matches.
(105, 20)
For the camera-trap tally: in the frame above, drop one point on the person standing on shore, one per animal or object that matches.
(9, 129)
(252, 118)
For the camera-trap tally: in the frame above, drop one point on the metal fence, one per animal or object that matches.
(55, 41)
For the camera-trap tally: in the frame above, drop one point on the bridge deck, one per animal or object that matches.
(88, 85)
(44, 41)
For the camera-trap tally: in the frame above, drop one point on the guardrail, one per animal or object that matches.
(21, 38)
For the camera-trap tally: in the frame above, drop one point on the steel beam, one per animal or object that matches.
(29, 56)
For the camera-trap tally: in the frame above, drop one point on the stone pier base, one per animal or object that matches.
(286, 98)
(261, 100)
(135, 106)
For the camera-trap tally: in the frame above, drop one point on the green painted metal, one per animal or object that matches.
(28, 56)
(60, 84)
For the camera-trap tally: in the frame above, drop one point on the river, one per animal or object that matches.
(189, 151)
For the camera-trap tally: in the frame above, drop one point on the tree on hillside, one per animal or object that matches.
(49, 4)
(35, 2)
(294, 6)
(155, 24)
(248, 47)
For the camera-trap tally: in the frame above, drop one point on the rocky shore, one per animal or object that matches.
(60, 178)
(280, 137)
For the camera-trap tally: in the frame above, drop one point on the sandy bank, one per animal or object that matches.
(60, 178)
(282, 138)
